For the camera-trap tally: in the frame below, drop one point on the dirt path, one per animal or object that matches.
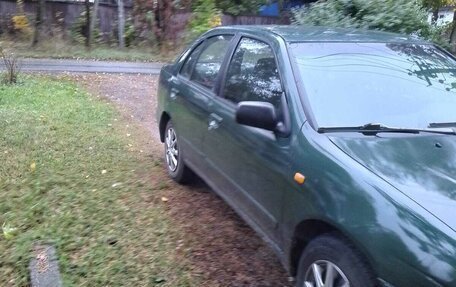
(221, 247)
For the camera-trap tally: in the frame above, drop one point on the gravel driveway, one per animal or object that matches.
(218, 243)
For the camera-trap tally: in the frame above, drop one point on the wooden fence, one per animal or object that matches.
(253, 20)
(63, 15)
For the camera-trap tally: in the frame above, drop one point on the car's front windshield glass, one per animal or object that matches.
(395, 84)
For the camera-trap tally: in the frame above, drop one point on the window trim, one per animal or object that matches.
(286, 130)
(204, 42)
(233, 51)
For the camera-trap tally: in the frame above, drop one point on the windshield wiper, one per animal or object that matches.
(442, 125)
(373, 129)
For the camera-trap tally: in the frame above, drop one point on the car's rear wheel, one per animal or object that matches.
(174, 156)
(331, 261)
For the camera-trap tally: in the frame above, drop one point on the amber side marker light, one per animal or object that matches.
(299, 178)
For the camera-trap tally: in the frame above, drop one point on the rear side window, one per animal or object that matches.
(210, 60)
(252, 74)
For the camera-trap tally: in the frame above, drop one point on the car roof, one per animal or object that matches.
(295, 33)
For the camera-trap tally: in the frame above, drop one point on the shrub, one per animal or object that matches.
(130, 33)
(205, 16)
(20, 22)
(79, 30)
(400, 16)
(12, 67)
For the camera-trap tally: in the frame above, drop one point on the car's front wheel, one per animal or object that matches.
(176, 167)
(330, 260)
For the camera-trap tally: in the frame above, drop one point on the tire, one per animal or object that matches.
(330, 251)
(174, 157)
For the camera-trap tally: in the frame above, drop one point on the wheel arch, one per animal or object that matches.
(164, 119)
(309, 229)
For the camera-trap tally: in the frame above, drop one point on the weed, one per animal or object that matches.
(12, 67)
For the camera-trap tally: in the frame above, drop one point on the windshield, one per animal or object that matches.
(397, 85)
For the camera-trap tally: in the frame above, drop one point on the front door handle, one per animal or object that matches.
(214, 121)
(173, 79)
(173, 93)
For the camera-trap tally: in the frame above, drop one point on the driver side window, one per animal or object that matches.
(253, 75)
(203, 64)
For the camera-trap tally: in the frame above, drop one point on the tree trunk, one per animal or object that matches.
(20, 7)
(121, 20)
(435, 16)
(453, 32)
(39, 21)
(93, 21)
(87, 24)
(162, 28)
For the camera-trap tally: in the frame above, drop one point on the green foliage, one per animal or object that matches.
(436, 4)
(205, 16)
(441, 35)
(401, 16)
(130, 34)
(249, 7)
(79, 30)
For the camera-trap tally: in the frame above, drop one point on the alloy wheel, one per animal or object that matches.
(171, 149)
(323, 273)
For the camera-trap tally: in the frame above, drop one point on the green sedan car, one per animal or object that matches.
(337, 146)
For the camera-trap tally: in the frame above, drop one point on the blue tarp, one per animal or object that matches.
(273, 8)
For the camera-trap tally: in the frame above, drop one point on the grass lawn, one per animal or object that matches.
(63, 50)
(70, 176)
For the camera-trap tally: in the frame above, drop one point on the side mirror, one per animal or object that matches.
(257, 114)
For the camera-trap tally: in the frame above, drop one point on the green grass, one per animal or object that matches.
(70, 177)
(58, 49)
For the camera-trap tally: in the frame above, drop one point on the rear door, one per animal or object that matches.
(192, 91)
(250, 164)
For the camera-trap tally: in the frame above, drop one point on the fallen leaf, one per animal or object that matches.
(32, 166)
(8, 231)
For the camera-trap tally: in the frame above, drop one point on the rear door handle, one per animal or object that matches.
(214, 121)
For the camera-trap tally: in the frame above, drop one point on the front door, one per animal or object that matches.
(250, 165)
(192, 93)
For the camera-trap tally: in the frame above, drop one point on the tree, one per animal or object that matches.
(20, 7)
(162, 27)
(155, 16)
(400, 16)
(87, 23)
(205, 16)
(39, 21)
(93, 21)
(121, 23)
(435, 5)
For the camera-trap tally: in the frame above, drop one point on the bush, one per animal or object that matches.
(400, 16)
(205, 16)
(12, 67)
(79, 30)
